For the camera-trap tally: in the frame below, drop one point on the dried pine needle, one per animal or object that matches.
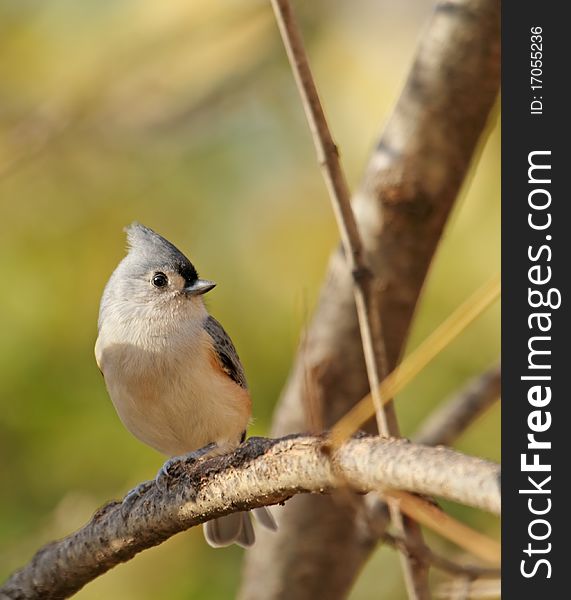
(413, 364)
(432, 517)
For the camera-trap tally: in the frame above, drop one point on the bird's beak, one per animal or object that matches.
(199, 287)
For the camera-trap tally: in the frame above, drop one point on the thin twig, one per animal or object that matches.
(449, 421)
(416, 576)
(442, 562)
(328, 157)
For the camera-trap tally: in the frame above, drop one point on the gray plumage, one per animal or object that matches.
(150, 248)
(226, 352)
(147, 251)
(171, 370)
(235, 528)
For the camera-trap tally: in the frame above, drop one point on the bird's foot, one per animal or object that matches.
(168, 471)
(132, 495)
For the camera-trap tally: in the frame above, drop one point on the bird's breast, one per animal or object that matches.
(170, 394)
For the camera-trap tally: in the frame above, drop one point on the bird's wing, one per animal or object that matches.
(225, 352)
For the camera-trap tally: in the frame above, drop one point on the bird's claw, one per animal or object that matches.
(164, 476)
(132, 496)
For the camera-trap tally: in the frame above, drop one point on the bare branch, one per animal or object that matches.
(258, 473)
(464, 588)
(443, 563)
(368, 316)
(452, 419)
(405, 198)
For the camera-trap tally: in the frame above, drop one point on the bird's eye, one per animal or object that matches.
(159, 280)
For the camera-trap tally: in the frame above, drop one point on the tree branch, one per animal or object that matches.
(259, 473)
(443, 563)
(453, 417)
(405, 198)
(466, 588)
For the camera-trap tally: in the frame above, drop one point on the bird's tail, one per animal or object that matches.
(237, 528)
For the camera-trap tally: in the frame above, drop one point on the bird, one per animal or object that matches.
(170, 369)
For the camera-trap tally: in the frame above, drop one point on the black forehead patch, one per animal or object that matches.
(188, 273)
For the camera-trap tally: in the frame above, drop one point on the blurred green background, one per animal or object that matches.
(183, 116)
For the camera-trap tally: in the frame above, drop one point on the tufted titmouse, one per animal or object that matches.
(171, 370)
